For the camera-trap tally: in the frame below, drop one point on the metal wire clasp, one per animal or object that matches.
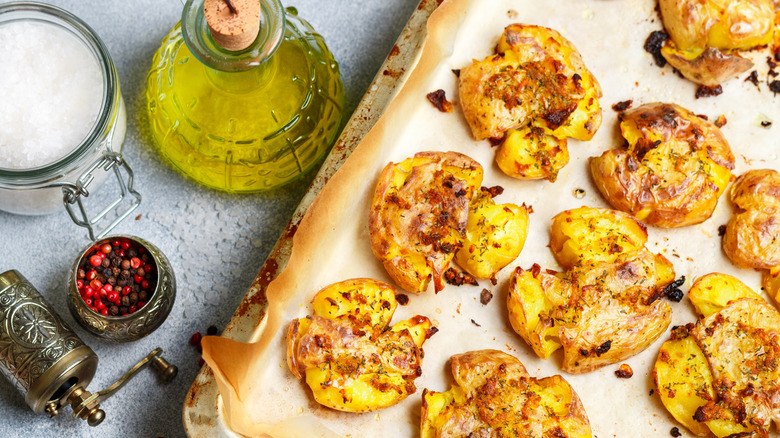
(73, 193)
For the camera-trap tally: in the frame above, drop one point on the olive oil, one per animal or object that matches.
(250, 129)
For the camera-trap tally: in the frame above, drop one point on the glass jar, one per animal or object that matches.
(247, 120)
(44, 189)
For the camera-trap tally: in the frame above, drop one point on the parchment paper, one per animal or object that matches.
(260, 396)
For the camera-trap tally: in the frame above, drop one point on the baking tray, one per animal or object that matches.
(200, 413)
(459, 31)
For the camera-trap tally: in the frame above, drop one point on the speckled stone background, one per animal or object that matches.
(216, 243)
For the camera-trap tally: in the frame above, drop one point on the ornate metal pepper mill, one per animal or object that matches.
(47, 362)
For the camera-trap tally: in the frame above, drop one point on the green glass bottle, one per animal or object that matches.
(247, 120)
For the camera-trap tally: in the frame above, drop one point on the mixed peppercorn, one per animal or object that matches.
(116, 277)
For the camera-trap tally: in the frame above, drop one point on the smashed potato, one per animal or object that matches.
(705, 33)
(770, 281)
(495, 235)
(605, 307)
(350, 358)
(672, 171)
(494, 396)
(531, 153)
(419, 215)
(430, 209)
(722, 374)
(710, 68)
(713, 292)
(752, 238)
(587, 235)
(534, 93)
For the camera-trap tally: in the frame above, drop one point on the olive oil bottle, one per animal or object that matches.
(243, 119)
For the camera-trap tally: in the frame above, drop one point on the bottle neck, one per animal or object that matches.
(200, 42)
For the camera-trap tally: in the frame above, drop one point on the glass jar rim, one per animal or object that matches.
(198, 38)
(52, 15)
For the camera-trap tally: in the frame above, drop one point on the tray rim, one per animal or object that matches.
(200, 413)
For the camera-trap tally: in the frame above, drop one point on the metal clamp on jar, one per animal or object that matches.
(47, 362)
(44, 188)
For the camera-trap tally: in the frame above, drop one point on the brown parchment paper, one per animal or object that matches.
(259, 395)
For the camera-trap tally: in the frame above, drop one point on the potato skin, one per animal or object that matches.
(494, 396)
(672, 172)
(770, 281)
(704, 34)
(752, 238)
(711, 68)
(419, 214)
(350, 358)
(694, 25)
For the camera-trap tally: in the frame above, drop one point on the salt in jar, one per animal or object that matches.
(62, 114)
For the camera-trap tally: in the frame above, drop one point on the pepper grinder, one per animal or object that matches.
(47, 362)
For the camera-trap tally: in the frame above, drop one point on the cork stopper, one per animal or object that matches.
(234, 24)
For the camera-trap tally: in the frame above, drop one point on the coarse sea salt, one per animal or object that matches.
(52, 88)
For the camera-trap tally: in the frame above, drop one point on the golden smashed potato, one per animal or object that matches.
(351, 359)
(705, 33)
(419, 215)
(531, 153)
(494, 396)
(752, 238)
(534, 93)
(713, 292)
(604, 307)
(430, 209)
(672, 171)
(495, 235)
(683, 396)
(770, 281)
(587, 235)
(722, 374)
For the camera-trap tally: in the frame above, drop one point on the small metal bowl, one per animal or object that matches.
(133, 326)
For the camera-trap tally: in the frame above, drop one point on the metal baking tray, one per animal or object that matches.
(200, 414)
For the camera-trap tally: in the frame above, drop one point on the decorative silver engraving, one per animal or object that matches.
(32, 336)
